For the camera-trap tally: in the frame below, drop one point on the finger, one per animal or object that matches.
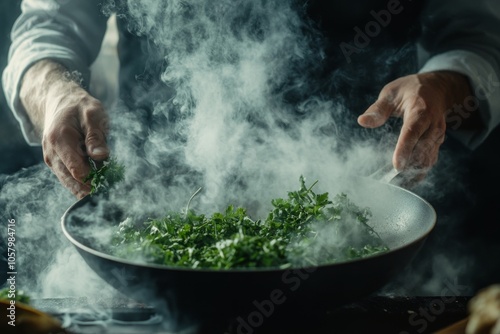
(70, 152)
(377, 114)
(95, 127)
(67, 180)
(65, 145)
(426, 151)
(415, 123)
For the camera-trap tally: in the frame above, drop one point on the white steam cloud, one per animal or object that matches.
(241, 116)
(46, 266)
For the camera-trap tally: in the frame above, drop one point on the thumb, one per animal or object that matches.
(95, 138)
(377, 114)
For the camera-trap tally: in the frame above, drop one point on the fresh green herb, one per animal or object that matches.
(18, 295)
(304, 229)
(103, 178)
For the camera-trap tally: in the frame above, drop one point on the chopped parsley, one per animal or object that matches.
(305, 229)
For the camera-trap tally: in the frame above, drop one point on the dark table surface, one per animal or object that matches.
(377, 314)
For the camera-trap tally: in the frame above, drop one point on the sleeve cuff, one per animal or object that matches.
(484, 83)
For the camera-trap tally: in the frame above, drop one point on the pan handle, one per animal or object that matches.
(389, 174)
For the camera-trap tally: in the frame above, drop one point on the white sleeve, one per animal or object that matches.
(464, 36)
(67, 31)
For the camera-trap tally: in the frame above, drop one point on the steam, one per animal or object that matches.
(245, 109)
(238, 109)
(241, 115)
(45, 265)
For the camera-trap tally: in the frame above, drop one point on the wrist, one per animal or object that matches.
(44, 86)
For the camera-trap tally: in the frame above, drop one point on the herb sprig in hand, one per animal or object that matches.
(103, 178)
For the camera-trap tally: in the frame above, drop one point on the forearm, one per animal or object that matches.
(67, 32)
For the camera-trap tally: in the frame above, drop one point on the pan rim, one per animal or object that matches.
(123, 261)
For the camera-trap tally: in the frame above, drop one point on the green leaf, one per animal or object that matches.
(102, 179)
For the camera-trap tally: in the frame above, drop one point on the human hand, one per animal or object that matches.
(75, 129)
(422, 101)
(72, 124)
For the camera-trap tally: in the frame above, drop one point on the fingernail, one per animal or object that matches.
(99, 151)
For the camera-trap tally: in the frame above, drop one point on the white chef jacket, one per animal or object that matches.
(458, 35)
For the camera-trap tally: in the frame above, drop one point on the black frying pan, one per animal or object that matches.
(401, 218)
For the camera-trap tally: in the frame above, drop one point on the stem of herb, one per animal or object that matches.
(190, 199)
